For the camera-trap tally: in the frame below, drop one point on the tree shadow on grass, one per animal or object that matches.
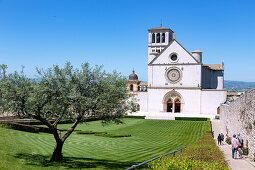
(72, 162)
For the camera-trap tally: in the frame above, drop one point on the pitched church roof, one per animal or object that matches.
(160, 28)
(214, 66)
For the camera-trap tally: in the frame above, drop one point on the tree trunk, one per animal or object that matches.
(57, 154)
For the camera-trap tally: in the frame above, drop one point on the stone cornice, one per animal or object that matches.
(213, 89)
(168, 64)
(189, 88)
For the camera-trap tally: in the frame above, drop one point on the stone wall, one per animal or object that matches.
(239, 117)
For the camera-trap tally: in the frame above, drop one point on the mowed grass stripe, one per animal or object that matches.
(149, 138)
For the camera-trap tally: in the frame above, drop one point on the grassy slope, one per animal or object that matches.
(22, 150)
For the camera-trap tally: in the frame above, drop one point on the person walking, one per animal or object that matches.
(219, 139)
(240, 145)
(234, 142)
(222, 137)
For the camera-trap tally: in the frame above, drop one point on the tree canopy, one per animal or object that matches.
(65, 93)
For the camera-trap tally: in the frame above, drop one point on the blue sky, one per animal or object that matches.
(113, 33)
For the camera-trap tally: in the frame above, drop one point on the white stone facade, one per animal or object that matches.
(178, 82)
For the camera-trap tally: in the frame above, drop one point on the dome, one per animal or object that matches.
(133, 76)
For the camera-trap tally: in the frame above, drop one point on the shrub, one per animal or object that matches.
(203, 154)
(65, 121)
(26, 128)
(22, 127)
(136, 117)
(104, 134)
(250, 126)
(245, 150)
(113, 135)
(192, 118)
(89, 132)
(228, 140)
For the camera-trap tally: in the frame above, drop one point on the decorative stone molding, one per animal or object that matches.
(173, 75)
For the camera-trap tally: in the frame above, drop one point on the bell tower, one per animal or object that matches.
(159, 38)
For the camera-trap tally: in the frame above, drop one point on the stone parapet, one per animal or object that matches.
(239, 117)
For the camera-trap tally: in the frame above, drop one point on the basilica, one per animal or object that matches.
(178, 81)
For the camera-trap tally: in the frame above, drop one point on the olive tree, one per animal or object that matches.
(65, 93)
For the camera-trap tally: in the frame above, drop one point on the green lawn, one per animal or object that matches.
(150, 138)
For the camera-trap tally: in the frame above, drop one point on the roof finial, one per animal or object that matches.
(174, 37)
(161, 23)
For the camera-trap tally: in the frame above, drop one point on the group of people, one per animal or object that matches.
(237, 145)
(220, 138)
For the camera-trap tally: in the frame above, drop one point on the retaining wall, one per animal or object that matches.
(239, 117)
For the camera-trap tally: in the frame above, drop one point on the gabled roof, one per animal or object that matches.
(160, 28)
(214, 66)
(167, 47)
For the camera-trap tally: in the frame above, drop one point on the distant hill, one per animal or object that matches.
(238, 85)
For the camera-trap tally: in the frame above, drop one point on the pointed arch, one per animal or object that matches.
(171, 94)
(173, 102)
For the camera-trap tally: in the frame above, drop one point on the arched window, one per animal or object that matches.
(153, 38)
(177, 106)
(169, 105)
(138, 88)
(163, 38)
(138, 107)
(158, 37)
(131, 87)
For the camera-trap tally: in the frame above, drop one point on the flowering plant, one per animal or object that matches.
(245, 150)
(228, 140)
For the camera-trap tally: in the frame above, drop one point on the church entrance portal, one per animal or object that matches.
(173, 102)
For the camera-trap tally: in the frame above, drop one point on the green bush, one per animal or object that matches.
(192, 118)
(113, 135)
(26, 128)
(245, 150)
(203, 154)
(22, 127)
(228, 140)
(89, 132)
(65, 121)
(136, 117)
(104, 134)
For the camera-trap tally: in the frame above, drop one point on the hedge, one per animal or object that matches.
(136, 117)
(66, 121)
(113, 135)
(203, 154)
(89, 132)
(26, 128)
(104, 134)
(193, 118)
